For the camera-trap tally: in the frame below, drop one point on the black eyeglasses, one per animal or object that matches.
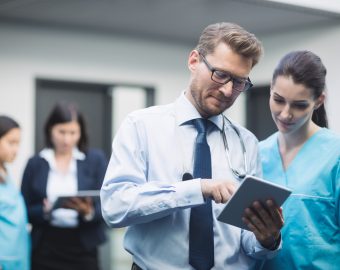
(223, 77)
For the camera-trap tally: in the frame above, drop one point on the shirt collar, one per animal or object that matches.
(185, 111)
(48, 155)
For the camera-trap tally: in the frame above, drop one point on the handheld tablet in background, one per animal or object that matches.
(251, 189)
(60, 201)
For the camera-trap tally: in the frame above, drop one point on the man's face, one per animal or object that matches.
(209, 97)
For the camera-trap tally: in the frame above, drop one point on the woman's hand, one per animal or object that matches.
(84, 206)
(47, 208)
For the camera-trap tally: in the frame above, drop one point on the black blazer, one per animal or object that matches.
(90, 174)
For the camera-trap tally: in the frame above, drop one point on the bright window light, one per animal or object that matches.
(332, 6)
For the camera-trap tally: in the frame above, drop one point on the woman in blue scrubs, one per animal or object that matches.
(14, 238)
(304, 155)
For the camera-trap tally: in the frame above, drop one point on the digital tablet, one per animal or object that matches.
(61, 200)
(251, 189)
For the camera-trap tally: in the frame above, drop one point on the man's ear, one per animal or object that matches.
(320, 100)
(193, 61)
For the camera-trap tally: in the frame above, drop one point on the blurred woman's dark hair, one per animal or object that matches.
(6, 124)
(64, 112)
(306, 68)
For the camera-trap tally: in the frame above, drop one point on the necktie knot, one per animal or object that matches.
(201, 125)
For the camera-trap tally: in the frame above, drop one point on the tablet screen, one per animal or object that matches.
(80, 194)
(251, 189)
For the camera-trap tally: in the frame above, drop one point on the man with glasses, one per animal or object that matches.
(169, 177)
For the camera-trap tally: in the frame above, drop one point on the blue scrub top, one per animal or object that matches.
(311, 234)
(14, 237)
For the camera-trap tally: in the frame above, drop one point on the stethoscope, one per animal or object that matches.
(239, 175)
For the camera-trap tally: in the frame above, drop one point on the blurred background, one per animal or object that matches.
(114, 56)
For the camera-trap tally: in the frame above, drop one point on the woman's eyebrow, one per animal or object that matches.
(303, 101)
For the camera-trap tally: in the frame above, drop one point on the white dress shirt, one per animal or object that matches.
(62, 184)
(143, 188)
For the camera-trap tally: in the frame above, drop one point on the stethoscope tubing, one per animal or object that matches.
(236, 173)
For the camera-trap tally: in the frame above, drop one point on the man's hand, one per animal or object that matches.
(265, 221)
(219, 191)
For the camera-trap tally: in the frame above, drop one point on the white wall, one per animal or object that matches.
(28, 53)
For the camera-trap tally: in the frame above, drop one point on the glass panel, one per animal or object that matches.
(120, 258)
(124, 101)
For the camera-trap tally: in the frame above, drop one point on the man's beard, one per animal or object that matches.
(201, 103)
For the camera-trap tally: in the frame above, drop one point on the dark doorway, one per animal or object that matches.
(93, 100)
(259, 119)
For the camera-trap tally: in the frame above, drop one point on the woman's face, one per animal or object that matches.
(65, 136)
(9, 145)
(292, 105)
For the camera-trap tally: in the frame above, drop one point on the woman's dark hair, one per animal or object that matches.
(6, 124)
(305, 68)
(63, 113)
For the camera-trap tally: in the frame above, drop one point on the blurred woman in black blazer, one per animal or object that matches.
(64, 238)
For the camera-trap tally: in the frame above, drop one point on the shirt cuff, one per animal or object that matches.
(189, 193)
(260, 250)
(88, 217)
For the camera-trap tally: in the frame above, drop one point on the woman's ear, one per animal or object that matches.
(320, 100)
(193, 60)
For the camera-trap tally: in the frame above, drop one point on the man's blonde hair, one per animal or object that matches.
(233, 35)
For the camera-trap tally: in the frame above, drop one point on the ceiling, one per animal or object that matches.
(169, 20)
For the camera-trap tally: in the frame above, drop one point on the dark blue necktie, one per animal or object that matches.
(201, 235)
